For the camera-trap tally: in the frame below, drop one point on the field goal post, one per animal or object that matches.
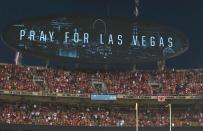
(137, 116)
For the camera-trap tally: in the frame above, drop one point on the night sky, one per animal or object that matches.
(184, 15)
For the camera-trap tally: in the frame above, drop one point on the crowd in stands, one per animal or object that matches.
(139, 83)
(38, 114)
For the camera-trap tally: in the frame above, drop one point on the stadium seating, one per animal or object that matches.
(42, 114)
(139, 83)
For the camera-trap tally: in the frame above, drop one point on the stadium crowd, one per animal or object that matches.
(38, 114)
(167, 82)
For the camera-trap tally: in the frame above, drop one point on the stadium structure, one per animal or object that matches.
(42, 98)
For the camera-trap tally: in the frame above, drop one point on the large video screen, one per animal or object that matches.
(95, 39)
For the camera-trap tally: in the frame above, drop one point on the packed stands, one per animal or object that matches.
(139, 83)
(49, 114)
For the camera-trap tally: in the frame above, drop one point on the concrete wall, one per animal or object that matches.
(67, 128)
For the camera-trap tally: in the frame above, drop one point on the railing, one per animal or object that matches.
(119, 96)
(43, 68)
